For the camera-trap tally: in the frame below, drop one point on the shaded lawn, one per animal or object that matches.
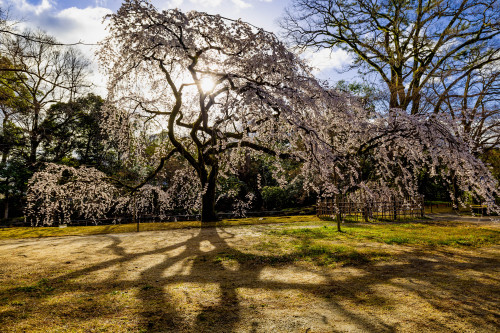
(272, 278)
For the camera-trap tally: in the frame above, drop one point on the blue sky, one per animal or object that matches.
(81, 20)
(262, 13)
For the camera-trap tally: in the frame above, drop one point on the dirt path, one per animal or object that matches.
(214, 280)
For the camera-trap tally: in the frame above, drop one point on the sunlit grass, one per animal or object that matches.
(435, 234)
(451, 234)
(28, 232)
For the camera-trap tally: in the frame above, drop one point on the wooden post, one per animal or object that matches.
(339, 212)
(422, 206)
(364, 202)
(134, 216)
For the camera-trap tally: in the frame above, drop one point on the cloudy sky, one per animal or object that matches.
(73, 21)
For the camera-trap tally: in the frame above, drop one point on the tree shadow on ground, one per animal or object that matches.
(202, 260)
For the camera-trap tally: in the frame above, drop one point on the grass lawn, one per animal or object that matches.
(276, 274)
(26, 232)
(431, 234)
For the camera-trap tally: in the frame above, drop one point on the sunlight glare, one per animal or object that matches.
(207, 84)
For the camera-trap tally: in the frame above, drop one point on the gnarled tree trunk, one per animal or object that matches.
(208, 199)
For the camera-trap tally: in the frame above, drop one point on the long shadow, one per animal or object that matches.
(206, 268)
(198, 260)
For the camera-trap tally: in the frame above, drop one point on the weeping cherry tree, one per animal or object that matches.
(213, 84)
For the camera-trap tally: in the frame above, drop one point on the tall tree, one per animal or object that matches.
(46, 73)
(214, 85)
(407, 43)
(12, 104)
(35, 73)
(473, 101)
(12, 143)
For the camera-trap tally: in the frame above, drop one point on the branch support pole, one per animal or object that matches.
(134, 216)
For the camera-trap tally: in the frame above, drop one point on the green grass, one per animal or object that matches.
(332, 254)
(38, 232)
(430, 234)
(39, 289)
(309, 251)
(374, 219)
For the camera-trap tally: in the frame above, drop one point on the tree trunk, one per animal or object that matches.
(208, 199)
(34, 140)
(394, 208)
(208, 205)
(455, 190)
(6, 208)
(6, 200)
(339, 212)
(33, 149)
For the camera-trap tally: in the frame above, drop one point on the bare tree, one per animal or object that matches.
(472, 100)
(406, 43)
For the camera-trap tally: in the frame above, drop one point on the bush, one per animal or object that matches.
(275, 197)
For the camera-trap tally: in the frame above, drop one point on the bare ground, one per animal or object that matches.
(177, 281)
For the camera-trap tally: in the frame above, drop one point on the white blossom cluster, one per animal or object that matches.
(58, 191)
(398, 146)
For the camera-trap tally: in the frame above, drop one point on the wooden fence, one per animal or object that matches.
(392, 209)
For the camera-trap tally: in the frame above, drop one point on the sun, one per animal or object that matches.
(207, 84)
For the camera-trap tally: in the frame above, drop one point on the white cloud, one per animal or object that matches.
(326, 59)
(241, 3)
(69, 25)
(72, 24)
(25, 6)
